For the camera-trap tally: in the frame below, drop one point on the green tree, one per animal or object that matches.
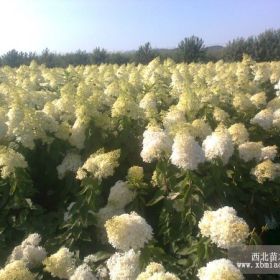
(234, 50)
(118, 58)
(48, 58)
(268, 45)
(191, 49)
(145, 54)
(99, 56)
(14, 58)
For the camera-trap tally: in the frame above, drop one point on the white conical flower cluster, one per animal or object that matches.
(83, 272)
(156, 271)
(128, 231)
(218, 145)
(186, 152)
(61, 264)
(100, 165)
(124, 265)
(223, 227)
(156, 144)
(220, 269)
(29, 251)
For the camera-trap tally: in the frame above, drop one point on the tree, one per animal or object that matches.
(235, 49)
(14, 58)
(48, 58)
(145, 54)
(118, 58)
(191, 49)
(264, 47)
(268, 45)
(99, 56)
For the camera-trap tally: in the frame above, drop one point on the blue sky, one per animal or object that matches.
(116, 25)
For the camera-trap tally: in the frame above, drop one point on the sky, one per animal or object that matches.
(119, 25)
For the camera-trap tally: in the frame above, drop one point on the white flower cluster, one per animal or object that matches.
(218, 145)
(29, 251)
(223, 227)
(128, 231)
(71, 162)
(242, 102)
(173, 119)
(10, 160)
(264, 119)
(83, 272)
(156, 143)
(239, 133)
(100, 165)
(255, 151)
(156, 271)
(250, 151)
(16, 270)
(266, 170)
(201, 129)
(220, 115)
(269, 152)
(120, 195)
(277, 87)
(124, 265)
(3, 125)
(220, 269)
(135, 174)
(125, 106)
(61, 264)
(259, 99)
(186, 152)
(276, 119)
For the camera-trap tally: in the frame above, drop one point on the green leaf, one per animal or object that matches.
(156, 199)
(100, 256)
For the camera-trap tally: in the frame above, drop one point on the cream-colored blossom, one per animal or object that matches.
(201, 129)
(224, 227)
(29, 251)
(100, 165)
(220, 115)
(125, 106)
(264, 119)
(186, 152)
(239, 133)
(250, 151)
(16, 270)
(77, 137)
(156, 271)
(259, 99)
(135, 174)
(10, 160)
(71, 162)
(128, 231)
(120, 195)
(242, 102)
(156, 144)
(268, 152)
(83, 272)
(61, 264)
(103, 215)
(266, 170)
(218, 145)
(124, 265)
(220, 269)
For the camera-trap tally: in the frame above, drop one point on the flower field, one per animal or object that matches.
(137, 172)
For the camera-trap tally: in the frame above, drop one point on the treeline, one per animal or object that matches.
(264, 47)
